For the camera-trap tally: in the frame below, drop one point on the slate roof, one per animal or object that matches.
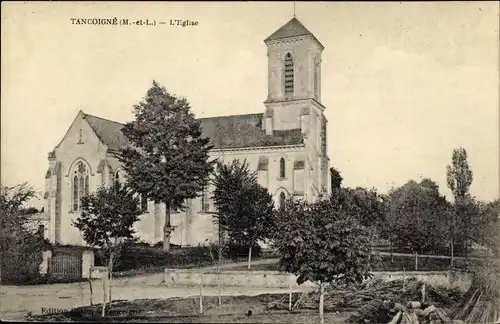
(245, 131)
(108, 131)
(292, 28)
(234, 131)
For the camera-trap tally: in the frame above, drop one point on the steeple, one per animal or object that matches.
(294, 64)
(294, 77)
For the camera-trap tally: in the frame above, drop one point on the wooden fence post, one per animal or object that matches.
(90, 284)
(416, 261)
(201, 293)
(452, 253)
(404, 279)
(290, 298)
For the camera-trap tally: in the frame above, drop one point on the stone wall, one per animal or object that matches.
(274, 279)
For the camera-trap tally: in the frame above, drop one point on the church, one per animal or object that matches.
(286, 145)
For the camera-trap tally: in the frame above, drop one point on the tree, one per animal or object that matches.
(20, 250)
(459, 178)
(321, 242)
(488, 226)
(335, 180)
(367, 206)
(481, 303)
(168, 162)
(417, 216)
(245, 209)
(106, 222)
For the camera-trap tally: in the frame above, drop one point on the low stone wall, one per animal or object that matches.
(275, 279)
(256, 279)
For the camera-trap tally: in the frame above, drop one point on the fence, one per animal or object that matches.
(423, 262)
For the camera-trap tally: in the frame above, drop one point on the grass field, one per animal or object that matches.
(397, 264)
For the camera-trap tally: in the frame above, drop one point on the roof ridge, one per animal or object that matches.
(223, 116)
(230, 131)
(106, 119)
(226, 116)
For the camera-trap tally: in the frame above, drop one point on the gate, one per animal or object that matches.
(66, 265)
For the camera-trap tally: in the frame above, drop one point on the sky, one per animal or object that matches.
(403, 83)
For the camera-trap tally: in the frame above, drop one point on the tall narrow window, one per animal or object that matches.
(117, 177)
(80, 184)
(75, 193)
(282, 200)
(144, 203)
(288, 74)
(205, 206)
(41, 230)
(282, 168)
(80, 140)
(87, 184)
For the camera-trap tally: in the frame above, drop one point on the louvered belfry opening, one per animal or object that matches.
(288, 75)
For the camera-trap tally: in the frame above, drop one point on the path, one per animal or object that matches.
(16, 301)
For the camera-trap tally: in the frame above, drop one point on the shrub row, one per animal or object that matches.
(141, 256)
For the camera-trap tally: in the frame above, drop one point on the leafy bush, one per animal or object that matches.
(20, 250)
(159, 245)
(21, 260)
(236, 252)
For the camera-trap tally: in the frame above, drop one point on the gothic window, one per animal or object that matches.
(282, 200)
(288, 74)
(205, 206)
(80, 184)
(282, 168)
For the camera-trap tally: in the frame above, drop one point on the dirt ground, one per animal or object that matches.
(17, 301)
(235, 309)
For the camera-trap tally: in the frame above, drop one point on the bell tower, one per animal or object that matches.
(294, 76)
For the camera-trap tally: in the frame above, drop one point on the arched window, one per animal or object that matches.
(205, 205)
(288, 74)
(282, 168)
(117, 177)
(80, 184)
(282, 200)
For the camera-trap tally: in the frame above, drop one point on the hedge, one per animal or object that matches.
(138, 256)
